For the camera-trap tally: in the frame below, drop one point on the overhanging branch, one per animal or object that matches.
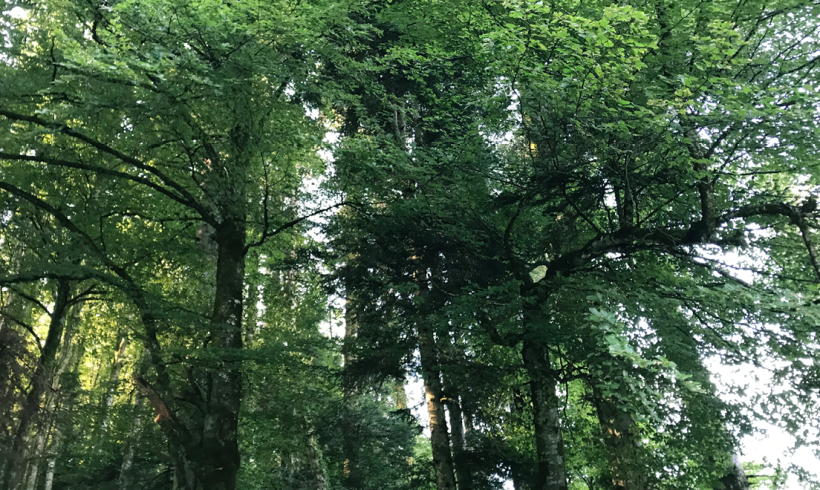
(188, 198)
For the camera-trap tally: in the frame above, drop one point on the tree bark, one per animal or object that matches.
(464, 476)
(549, 445)
(735, 478)
(208, 459)
(218, 466)
(352, 475)
(70, 358)
(113, 382)
(15, 465)
(126, 480)
(617, 428)
(439, 439)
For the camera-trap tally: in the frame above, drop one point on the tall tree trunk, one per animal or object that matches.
(69, 359)
(218, 466)
(442, 459)
(15, 465)
(126, 481)
(735, 478)
(207, 459)
(352, 475)
(464, 475)
(113, 382)
(549, 445)
(617, 428)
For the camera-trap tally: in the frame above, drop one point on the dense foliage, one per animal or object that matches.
(562, 218)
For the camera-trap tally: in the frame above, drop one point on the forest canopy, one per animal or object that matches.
(564, 219)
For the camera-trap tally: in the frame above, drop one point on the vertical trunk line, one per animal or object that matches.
(15, 466)
(351, 473)
(464, 476)
(549, 444)
(217, 463)
(126, 476)
(439, 440)
(113, 382)
(621, 444)
(70, 357)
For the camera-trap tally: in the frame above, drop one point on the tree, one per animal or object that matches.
(557, 216)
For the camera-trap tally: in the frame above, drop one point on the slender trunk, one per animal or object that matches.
(549, 445)
(350, 447)
(15, 466)
(126, 470)
(43, 433)
(617, 428)
(113, 381)
(70, 358)
(461, 459)
(33, 470)
(442, 459)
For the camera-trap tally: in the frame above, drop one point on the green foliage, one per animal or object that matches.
(628, 189)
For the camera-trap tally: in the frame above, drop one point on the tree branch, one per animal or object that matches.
(26, 326)
(190, 200)
(102, 171)
(290, 224)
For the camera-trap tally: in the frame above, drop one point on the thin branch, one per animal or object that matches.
(99, 170)
(190, 200)
(26, 326)
(32, 299)
(290, 224)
